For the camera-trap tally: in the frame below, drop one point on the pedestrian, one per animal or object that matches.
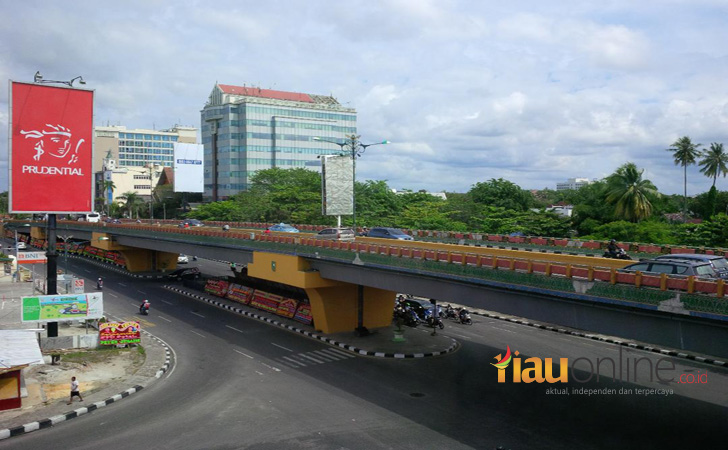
(233, 266)
(74, 390)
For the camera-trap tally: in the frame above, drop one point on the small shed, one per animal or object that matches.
(18, 350)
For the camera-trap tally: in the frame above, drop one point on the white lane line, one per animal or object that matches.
(193, 331)
(291, 365)
(326, 356)
(122, 284)
(199, 315)
(233, 328)
(143, 293)
(271, 367)
(293, 361)
(165, 319)
(460, 335)
(86, 270)
(259, 373)
(244, 354)
(165, 301)
(340, 352)
(319, 361)
(280, 346)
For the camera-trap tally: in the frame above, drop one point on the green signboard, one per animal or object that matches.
(59, 308)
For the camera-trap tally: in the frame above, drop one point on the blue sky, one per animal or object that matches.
(466, 90)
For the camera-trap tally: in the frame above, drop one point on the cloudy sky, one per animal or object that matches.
(465, 90)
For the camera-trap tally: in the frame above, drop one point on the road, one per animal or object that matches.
(239, 383)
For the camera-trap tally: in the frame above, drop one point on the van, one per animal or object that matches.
(93, 217)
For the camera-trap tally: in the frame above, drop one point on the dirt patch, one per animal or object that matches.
(94, 369)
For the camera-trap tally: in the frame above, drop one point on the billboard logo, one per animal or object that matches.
(56, 141)
(189, 161)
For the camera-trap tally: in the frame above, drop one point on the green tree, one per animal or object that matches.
(714, 162)
(685, 152)
(132, 203)
(501, 193)
(629, 193)
(107, 186)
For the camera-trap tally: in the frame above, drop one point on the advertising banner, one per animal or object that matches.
(115, 333)
(303, 314)
(216, 287)
(188, 168)
(78, 286)
(51, 149)
(265, 301)
(287, 307)
(337, 185)
(62, 308)
(32, 258)
(240, 293)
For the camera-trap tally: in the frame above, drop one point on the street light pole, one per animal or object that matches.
(353, 146)
(355, 149)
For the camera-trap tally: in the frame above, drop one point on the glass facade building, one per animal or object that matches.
(246, 129)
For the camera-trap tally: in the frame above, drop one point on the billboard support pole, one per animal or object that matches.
(52, 265)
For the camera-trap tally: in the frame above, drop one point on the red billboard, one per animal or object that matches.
(51, 151)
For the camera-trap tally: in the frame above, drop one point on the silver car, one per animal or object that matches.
(337, 234)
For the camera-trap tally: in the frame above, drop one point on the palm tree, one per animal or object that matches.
(714, 162)
(685, 152)
(107, 186)
(630, 193)
(132, 202)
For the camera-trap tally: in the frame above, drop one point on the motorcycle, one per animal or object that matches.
(464, 318)
(99, 284)
(451, 314)
(435, 322)
(619, 254)
(144, 309)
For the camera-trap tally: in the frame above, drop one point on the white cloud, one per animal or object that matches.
(534, 92)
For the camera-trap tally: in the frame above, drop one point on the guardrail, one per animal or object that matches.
(569, 267)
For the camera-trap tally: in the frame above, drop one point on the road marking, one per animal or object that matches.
(199, 315)
(326, 356)
(271, 367)
(86, 270)
(122, 284)
(143, 293)
(193, 331)
(340, 352)
(461, 336)
(165, 301)
(113, 295)
(259, 373)
(165, 319)
(244, 354)
(280, 346)
(319, 361)
(233, 328)
(293, 361)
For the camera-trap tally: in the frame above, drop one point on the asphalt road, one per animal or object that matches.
(236, 384)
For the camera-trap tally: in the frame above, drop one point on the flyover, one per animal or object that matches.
(348, 289)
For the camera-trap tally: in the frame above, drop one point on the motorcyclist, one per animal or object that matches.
(144, 307)
(463, 314)
(99, 283)
(226, 227)
(613, 249)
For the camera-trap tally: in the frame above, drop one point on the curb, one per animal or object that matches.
(49, 422)
(348, 347)
(715, 362)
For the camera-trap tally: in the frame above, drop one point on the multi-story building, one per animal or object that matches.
(572, 183)
(140, 147)
(133, 160)
(247, 129)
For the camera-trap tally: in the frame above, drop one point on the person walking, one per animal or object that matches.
(74, 390)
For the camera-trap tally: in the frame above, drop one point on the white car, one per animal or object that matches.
(182, 259)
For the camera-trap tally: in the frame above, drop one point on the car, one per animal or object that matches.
(673, 267)
(719, 263)
(283, 228)
(190, 223)
(338, 234)
(21, 245)
(110, 220)
(187, 273)
(182, 259)
(419, 306)
(389, 233)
